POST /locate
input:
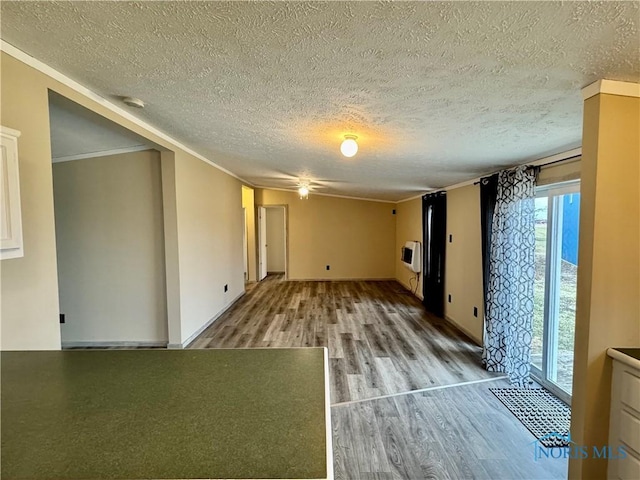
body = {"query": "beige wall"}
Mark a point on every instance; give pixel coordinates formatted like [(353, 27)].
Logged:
[(210, 223), (29, 289), (275, 240), (110, 249), (355, 237), (608, 298), (248, 202), (408, 228), (463, 263), (171, 250)]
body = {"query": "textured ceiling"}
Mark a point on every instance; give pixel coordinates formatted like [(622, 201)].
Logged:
[(77, 131), (437, 92)]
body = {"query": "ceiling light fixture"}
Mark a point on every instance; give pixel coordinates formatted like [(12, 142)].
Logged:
[(133, 102), (303, 191), (349, 146)]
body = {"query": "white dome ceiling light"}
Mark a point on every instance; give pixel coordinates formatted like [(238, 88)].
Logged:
[(349, 146)]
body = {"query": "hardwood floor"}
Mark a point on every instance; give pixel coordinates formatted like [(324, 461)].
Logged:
[(462, 432), (380, 339), (383, 344)]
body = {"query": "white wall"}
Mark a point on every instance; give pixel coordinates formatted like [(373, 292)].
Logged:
[(275, 240), (110, 249)]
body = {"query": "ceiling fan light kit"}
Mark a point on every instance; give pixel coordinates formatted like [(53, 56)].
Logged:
[(303, 191)]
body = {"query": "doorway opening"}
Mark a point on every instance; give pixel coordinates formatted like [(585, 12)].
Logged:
[(272, 236), (109, 224)]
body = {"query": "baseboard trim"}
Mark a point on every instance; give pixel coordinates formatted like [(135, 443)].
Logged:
[(109, 344), (189, 340), (462, 330)]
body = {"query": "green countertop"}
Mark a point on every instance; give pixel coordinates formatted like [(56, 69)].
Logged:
[(129, 414)]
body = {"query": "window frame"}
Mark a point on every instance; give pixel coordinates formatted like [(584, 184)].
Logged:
[(552, 286)]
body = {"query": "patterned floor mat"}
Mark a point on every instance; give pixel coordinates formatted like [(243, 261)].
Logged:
[(546, 416)]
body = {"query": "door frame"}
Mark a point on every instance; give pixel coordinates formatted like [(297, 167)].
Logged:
[(245, 246), (262, 208), (262, 246)]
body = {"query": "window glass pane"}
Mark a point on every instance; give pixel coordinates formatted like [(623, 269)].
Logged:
[(568, 288), (541, 209)]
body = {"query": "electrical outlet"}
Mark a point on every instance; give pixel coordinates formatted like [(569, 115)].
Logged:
[(450, 238), (393, 212), (449, 298), (226, 288), (475, 311), (328, 267), (62, 320)]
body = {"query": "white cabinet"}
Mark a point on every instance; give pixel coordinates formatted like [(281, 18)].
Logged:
[(10, 214), (624, 422)]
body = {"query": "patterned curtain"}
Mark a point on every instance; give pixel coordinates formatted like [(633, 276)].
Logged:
[(509, 297)]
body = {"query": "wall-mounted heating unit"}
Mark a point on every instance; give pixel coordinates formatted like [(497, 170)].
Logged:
[(411, 256)]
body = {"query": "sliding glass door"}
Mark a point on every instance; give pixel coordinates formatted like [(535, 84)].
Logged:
[(556, 261)]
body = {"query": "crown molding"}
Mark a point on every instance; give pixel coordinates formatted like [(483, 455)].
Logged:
[(420, 195), (611, 87), (354, 198), (91, 95), (312, 192)]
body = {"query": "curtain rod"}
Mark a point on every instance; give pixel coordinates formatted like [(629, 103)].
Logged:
[(573, 157), (437, 192), (562, 160)]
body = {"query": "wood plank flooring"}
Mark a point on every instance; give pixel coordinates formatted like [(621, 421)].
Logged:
[(380, 339), (382, 342), (463, 432)]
